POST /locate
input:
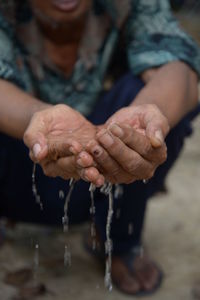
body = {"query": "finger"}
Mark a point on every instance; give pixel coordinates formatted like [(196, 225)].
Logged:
[(92, 175), (139, 142), (58, 148), (127, 158), (108, 166), (85, 160), (63, 167), (34, 137), (156, 125)]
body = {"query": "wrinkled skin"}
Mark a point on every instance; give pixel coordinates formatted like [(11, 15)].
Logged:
[(72, 147), (125, 153), (52, 137)]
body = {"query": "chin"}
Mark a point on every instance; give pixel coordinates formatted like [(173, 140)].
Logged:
[(64, 11)]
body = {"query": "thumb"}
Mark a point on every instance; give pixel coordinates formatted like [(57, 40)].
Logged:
[(34, 138), (157, 128)]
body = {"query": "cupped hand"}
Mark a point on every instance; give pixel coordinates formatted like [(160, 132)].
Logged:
[(124, 155), (55, 136), (145, 118)]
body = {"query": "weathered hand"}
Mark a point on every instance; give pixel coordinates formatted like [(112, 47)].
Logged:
[(131, 151), (54, 135), (125, 155), (145, 118)]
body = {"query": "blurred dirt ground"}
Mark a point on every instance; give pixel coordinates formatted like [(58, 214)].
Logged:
[(172, 237)]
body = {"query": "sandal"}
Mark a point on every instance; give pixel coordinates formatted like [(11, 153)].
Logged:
[(130, 270), (135, 274)]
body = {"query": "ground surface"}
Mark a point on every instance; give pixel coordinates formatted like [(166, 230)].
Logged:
[(172, 237)]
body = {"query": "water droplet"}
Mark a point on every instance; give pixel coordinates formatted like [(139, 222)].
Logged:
[(36, 262), (92, 189), (118, 213), (108, 244), (67, 257), (61, 194), (119, 191), (65, 218), (34, 188), (130, 228)]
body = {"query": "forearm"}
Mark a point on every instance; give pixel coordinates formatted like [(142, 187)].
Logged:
[(16, 109), (173, 88)]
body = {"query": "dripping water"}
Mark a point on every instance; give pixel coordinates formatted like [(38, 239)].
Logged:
[(118, 213), (92, 188), (130, 228), (107, 189), (65, 221), (67, 257), (119, 191), (36, 263), (34, 188), (61, 194)]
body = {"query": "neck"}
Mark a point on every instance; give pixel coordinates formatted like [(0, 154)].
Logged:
[(62, 34), (61, 42)]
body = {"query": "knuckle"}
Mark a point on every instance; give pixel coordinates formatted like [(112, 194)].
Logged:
[(46, 172), (134, 166), (115, 173), (27, 137), (147, 149), (128, 134), (163, 155), (102, 159), (129, 179), (150, 174), (117, 149), (49, 172)]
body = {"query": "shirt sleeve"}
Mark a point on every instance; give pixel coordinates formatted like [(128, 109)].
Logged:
[(155, 38)]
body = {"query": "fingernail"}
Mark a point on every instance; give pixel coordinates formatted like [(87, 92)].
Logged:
[(83, 176), (72, 150), (97, 151), (159, 136), (116, 130), (83, 154), (79, 162), (99, 182), (106, 140), (36, 150)]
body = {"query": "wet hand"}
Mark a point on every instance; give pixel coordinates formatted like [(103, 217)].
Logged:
[(124, 155), (145, 118), (54, 136)]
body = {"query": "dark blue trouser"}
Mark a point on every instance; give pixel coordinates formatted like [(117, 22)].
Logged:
[(17, 201)]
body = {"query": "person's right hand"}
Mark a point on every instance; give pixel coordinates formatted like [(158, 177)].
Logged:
[(54, 135)]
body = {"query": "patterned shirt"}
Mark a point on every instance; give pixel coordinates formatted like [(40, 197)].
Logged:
[(152, 38)]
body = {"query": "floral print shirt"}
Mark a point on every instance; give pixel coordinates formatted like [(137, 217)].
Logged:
[(152, 38)]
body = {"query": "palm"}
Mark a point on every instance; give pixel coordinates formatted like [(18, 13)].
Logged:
[(58, 127), (66, 124), (129, 116)]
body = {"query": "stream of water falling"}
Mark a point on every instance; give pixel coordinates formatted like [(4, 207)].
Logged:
[(92, 189), (36, 263), (34, 188), (65, 220), (107, 189)]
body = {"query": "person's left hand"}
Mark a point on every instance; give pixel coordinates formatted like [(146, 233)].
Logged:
[(145, 118), (130, 152)]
